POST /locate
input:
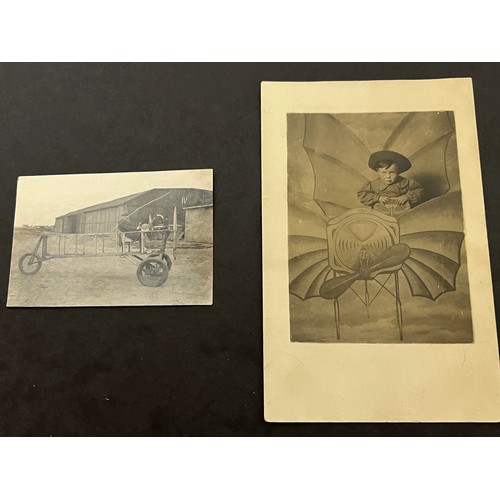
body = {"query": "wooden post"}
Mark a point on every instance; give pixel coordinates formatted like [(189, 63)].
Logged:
[(174, 251), (44, 247)]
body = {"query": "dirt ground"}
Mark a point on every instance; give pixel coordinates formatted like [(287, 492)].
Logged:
[(107, 280)]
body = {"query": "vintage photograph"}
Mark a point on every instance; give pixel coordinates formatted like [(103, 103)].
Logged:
[(376, 229), (114, 239), (377, 294)]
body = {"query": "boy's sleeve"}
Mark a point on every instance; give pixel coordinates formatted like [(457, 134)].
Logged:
[(367, 196), (415, 192)]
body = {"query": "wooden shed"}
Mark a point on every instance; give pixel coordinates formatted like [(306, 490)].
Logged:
[(104, 217), (199, 224)]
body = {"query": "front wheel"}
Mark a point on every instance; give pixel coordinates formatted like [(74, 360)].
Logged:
[(30, 263), (152, 272)]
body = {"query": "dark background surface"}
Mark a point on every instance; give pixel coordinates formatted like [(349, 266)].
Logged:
[(161, 371)]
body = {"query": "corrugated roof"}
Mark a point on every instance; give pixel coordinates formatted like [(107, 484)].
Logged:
[(108, 204), (124, 199)]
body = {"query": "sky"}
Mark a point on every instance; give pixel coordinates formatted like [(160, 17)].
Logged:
[(40, 199)]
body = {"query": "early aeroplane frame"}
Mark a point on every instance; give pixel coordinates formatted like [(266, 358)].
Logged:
[(144, 247), (148, 252)]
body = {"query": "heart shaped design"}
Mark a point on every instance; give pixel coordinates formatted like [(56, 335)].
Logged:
[(362, 230)]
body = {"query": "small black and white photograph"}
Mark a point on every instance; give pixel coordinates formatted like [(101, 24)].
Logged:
[(376, 232), (113, 239)]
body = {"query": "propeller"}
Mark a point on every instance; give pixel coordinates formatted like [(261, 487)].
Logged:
[(393, 256)]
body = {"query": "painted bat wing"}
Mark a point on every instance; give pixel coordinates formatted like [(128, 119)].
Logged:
[(304, 222), (339, 157), (434, 261), (307, 251), (308, 265), (443, 213), (424, 139), (339, 160)]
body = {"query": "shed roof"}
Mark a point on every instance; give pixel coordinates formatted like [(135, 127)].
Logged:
[(124, 199), (198, 206)]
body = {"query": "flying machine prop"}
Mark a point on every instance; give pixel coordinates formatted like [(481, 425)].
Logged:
[(421, 245)]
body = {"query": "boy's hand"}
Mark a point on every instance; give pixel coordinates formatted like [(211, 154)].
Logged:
[(401, 200), (384, 200)]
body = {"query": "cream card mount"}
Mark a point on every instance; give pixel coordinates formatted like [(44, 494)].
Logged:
[(378, 303)]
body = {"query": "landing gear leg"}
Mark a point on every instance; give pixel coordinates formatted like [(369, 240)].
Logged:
[(367, 299), (336, 312), (399, 307)]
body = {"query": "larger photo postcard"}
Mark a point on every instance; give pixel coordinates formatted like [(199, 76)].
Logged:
[(378, 302)]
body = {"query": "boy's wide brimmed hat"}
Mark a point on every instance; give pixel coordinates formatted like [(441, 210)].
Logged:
[(401, 161)]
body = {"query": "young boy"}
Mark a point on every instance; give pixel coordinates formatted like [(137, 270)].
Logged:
[(390, 188)]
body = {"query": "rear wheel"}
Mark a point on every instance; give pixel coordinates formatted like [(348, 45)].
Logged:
[(152, 272), (30, 263), (169, 261)]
